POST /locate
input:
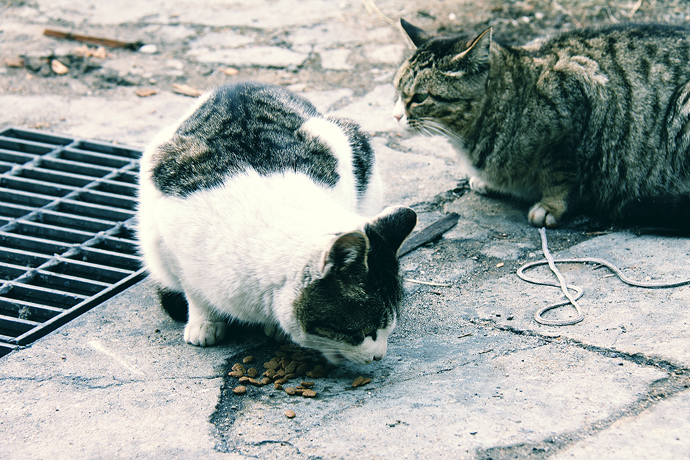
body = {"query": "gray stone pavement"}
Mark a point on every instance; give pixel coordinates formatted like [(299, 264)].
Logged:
[(469, 373)]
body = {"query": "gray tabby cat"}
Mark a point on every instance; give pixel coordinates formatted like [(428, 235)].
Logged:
[(593, 121), (256, 208)]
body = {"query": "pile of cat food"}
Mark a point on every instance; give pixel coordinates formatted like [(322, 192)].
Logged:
[(290, 363)]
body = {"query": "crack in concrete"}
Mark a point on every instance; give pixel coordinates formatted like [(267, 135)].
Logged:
[(636, 358), (678, 380)]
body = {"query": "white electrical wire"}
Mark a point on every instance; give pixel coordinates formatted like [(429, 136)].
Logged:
[(538, 316)]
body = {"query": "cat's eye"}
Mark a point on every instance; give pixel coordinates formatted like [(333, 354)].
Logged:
[(370, 333), (418, 98)]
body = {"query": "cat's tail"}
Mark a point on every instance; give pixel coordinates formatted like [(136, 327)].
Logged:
[(668, 214), (174, 303)]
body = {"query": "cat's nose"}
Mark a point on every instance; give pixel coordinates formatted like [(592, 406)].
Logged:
[(399, 109)]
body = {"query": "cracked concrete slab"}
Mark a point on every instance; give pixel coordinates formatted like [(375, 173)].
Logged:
[(111, 384), (665, 424), (469, 374), (448, 395), (617, 316), (260, 56)]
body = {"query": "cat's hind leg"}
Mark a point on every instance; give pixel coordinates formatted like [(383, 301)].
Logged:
[(204, 326)]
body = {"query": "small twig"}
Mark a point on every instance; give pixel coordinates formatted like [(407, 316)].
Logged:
[(558, 7), (427, 283), (93, 40), (634, 9), (372, 8)]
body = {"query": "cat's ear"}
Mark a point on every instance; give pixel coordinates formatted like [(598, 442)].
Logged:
[(417, 35), (394, 224), (474, 58), (348, 254)]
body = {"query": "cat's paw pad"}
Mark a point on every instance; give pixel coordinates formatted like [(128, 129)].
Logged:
[(539, 216), (479, 186), (204, 333), (271, 330)]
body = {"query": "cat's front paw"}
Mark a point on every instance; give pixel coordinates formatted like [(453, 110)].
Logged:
[(479, 186), (540, 216), (204, 333)]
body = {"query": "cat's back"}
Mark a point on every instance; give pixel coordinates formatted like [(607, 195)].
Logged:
[(232, 129), (646, 53), (264, 129), (651, 38)]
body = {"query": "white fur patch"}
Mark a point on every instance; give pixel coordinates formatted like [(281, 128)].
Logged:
[(399, 110), (241, 249), (333, 136)]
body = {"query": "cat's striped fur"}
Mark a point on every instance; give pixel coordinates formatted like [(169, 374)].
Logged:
[(593, 121)]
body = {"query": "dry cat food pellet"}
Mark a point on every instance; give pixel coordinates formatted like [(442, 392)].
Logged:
[(299, 356), (291, 367), (302, 369), (318, 372), (359, 381), (290, 413), (240, 368), (272, 365), (289, 363)]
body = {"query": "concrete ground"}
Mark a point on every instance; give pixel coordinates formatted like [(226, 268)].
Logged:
[(469, 373)]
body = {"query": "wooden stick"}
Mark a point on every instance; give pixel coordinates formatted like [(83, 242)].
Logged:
[(93, 40), (429, 233)]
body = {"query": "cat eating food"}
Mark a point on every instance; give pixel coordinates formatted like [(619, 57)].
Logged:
[(594, 121), (260, 210)]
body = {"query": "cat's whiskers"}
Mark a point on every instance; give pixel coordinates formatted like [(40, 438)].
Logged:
[(337, 351), (432, 127)]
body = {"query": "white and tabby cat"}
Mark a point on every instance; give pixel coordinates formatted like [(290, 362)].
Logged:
[(255, 207)]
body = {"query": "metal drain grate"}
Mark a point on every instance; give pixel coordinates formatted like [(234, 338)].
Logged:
[(66, 233)]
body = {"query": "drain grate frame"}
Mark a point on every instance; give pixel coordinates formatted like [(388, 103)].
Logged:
[(67, 240)]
